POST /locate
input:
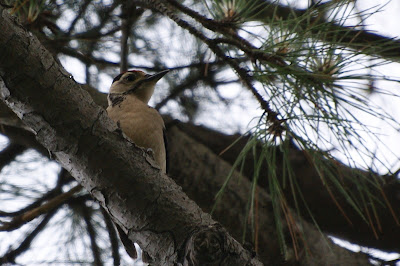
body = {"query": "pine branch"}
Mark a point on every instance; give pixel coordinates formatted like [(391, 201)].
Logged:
[(233, 62), (349, 36)]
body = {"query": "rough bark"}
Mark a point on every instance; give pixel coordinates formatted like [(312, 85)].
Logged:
[(184, 163), (207, 174), (148, 205)]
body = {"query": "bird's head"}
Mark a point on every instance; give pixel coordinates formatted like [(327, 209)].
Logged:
[(136, 82)]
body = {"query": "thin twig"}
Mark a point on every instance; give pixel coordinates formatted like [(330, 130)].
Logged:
[(129, 15), (24, 218), (112, 234), (126, 24), (87, 217), (81, 11), (10, 256)]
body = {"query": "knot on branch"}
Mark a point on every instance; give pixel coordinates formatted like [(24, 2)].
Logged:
[(206, 246)]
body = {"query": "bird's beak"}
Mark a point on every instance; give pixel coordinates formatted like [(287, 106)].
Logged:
[(156, 77)]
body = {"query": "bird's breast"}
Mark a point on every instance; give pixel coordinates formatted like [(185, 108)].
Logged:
[(142, 124)]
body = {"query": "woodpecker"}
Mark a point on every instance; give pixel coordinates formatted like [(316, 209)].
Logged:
[(128, 100), (129, 95)]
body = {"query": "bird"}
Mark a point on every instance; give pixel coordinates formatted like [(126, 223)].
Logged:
[(128, 100), (128, 106)]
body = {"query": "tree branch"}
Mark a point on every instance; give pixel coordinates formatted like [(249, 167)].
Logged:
[(208, 173), (129, 15), (149, 206), (11, 255), (87, 217), (243, 73), (9, 153), (52, 195), (24, 218), (328, 217), (113, 237), (350, 37), (82, 10), (314, 191)]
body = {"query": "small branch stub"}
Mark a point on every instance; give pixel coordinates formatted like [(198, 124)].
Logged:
[(209, 246)]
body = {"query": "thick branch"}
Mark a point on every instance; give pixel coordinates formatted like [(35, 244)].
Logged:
[(208, 172), (324, 211), (148, 205), (329, 218)]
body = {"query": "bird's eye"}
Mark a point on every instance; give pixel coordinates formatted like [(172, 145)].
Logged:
[(130, 78)]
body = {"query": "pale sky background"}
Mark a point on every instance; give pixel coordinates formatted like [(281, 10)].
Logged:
[(32, 170)]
